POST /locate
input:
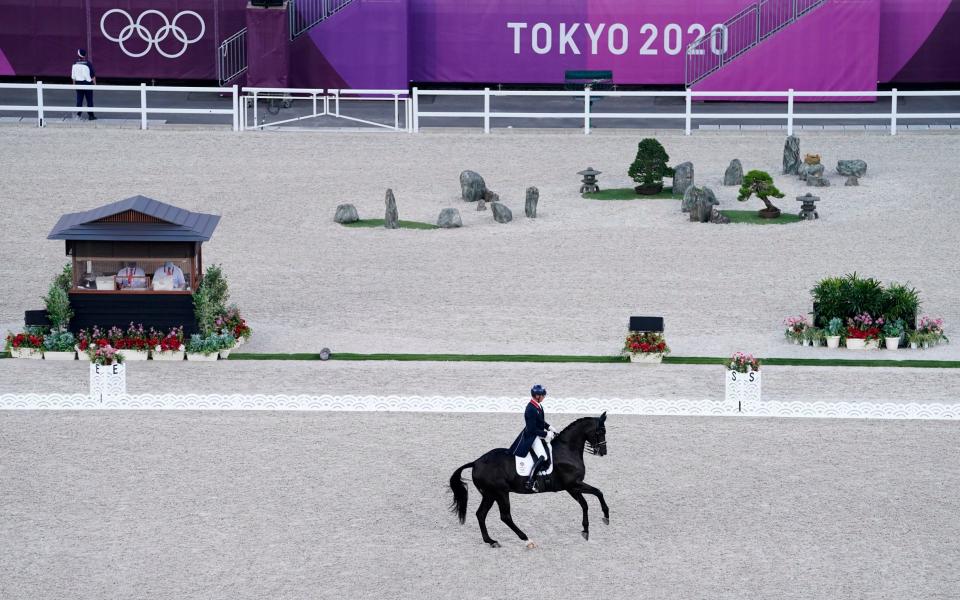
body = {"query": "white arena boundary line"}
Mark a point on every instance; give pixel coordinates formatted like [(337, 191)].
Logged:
[(483, 404)]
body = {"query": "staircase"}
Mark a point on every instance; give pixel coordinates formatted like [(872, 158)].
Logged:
[(303, 15), (748, 28)]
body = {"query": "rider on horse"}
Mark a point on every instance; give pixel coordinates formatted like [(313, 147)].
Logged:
[(534, 432)]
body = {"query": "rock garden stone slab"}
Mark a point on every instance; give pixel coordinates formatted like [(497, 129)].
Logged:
[(346, 213)]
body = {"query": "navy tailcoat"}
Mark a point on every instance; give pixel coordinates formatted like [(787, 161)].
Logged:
[(536, 426)]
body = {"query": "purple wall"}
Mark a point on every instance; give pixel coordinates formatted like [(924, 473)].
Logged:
[(834, 47), (384, 43), (268, 48)]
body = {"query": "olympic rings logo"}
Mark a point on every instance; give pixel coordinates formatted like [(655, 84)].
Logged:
[(153, 40)]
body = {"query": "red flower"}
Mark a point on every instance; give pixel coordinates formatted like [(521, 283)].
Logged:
[(103, 342)]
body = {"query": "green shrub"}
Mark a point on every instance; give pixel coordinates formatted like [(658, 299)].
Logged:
[(210, 299), (848, 296), (65, 279), (57, 302), (760, 184), (650, 165)]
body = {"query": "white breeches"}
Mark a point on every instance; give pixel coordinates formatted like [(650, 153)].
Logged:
[(538, 450)]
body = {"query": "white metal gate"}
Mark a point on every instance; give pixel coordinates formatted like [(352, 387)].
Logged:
[(257, 105)]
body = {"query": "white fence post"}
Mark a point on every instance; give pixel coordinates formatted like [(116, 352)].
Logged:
[(396, 112), (143, 106), (790, 111), (39, 104), (236, 108), (688, 112), (486, 110), (416, 110), (893, 112), (586, 110)]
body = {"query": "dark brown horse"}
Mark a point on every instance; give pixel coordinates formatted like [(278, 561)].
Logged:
[(495, 475)]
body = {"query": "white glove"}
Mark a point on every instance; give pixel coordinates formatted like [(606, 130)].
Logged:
[(550, 436)]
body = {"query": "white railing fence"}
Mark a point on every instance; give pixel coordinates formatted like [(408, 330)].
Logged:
[(688, 116), (323, 102), (232, 56), (143, 107)]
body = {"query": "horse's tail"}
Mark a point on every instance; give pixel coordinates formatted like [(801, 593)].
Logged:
[(459, 504)]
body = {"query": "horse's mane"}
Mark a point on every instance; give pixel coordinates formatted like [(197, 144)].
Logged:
[(580, 420)]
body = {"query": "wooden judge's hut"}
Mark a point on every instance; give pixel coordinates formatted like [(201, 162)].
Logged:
[(137, 260)]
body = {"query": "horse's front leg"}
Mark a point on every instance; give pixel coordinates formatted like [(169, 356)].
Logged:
[(578, 496), (589, 489)]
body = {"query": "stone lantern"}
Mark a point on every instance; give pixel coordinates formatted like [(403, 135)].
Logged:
[(589, 180), (808, 208)]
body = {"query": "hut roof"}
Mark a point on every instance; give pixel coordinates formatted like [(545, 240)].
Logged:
[(136, 219)]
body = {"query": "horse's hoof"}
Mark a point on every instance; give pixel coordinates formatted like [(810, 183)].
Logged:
[(606, 520), (531, 545), (585, 535), (495, 545)]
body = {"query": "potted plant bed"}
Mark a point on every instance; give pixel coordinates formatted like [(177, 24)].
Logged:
[(108, 373), (59, 345), (645, 347), (203, 349), (28, 344)]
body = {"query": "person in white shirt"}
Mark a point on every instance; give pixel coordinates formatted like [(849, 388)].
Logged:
[(169, 276), (131, 276), (83, 73)]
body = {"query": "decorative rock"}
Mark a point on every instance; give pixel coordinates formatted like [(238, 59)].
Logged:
[(682, 178), (472, 186), (530, 204), (701, 201), (491, 196), (852, 180), (391, 220), (346, 213), (734, 173), (501, 214), (716, 217), (852, 167), (791, 155), (449, 218), (811, 159), (817, 181), (691, 195), (807, 169), (481, 205)]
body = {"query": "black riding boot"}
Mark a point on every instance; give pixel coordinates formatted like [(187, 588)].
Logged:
[(533, 473)]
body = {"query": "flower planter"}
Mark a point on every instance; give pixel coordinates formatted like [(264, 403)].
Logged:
[(224, 353), (129, 355), (199, 357), (34, 353), (913, 345), (71, 355), (81, 355), (170, 355), (108, 382), (742, 387), (873, 344), (646, 358), (892, 343), (833, 341), (856, 344)]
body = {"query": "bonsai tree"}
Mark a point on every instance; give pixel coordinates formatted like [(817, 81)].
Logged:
[(650, 167), (760, 183)]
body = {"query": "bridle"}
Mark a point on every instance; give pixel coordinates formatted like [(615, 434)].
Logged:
[(594, 448)]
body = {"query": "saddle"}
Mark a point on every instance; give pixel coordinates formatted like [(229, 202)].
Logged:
[(525, 463)]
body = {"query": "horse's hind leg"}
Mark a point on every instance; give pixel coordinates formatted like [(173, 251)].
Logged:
[(482, 511), (583, 505), (589, 489), (503, 501)]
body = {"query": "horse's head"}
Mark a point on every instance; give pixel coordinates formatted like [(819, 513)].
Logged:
[(597, 439)]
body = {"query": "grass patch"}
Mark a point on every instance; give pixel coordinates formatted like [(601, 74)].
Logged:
[(4, 355), (379, 223), (751, 217), (628, 194)]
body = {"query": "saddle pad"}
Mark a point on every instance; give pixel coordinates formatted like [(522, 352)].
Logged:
[(525, 464)]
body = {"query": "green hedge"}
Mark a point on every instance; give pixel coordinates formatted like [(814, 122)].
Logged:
[(848, 296)]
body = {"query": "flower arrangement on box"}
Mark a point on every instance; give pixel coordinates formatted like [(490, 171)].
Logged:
[(796, 326), (28, 344), (863, 330), (169, 346), (930, 332), (743, 363), (104, 355), (645, 346)]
